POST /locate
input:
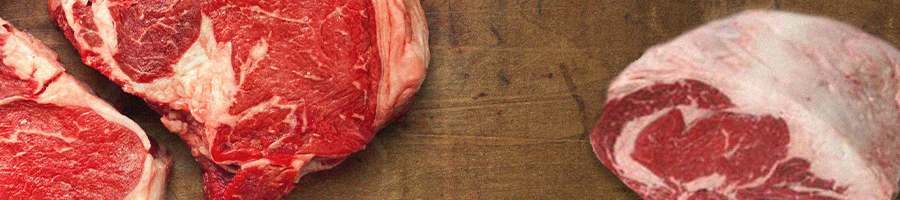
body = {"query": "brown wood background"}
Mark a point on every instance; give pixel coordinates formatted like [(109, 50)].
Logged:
[(513, 89)]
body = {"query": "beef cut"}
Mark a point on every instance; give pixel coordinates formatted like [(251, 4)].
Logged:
[(59, 141), (760, 105), (262, 91)]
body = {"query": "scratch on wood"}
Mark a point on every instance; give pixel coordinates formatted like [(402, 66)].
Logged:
[(454, 40), (488, 102), (515, 49), (654, 21), (496, 34), (539, 7), (503, 78), (486, 139), (495, 11), (445, 100), (482, 94), (890, 24), (567, 75)]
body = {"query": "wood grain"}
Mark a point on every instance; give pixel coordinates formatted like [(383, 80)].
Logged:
[(513, 89)]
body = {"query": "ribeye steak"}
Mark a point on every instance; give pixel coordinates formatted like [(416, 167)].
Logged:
[(760, 105), (262, 91), (59, 141)]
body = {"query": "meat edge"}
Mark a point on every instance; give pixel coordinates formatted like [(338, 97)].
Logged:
[(632, 80), (402, 41), (403, 48), (62, 89)]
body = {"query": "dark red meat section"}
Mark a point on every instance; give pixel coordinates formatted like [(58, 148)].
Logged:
[(740, 147), (96, 159), (152, 35), (648, 100), (11, 85), (320, 65), (338, 50)]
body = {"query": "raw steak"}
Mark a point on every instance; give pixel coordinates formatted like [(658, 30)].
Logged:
[(262, 91), (59, 141), (761, 105)]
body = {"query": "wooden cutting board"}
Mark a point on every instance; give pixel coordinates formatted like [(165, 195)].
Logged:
[(513, 90)]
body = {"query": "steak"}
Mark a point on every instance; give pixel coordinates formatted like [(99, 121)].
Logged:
[(262, 91), (760, 105), (59, 141)]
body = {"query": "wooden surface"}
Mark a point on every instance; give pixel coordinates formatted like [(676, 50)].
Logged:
[(513, 89)]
